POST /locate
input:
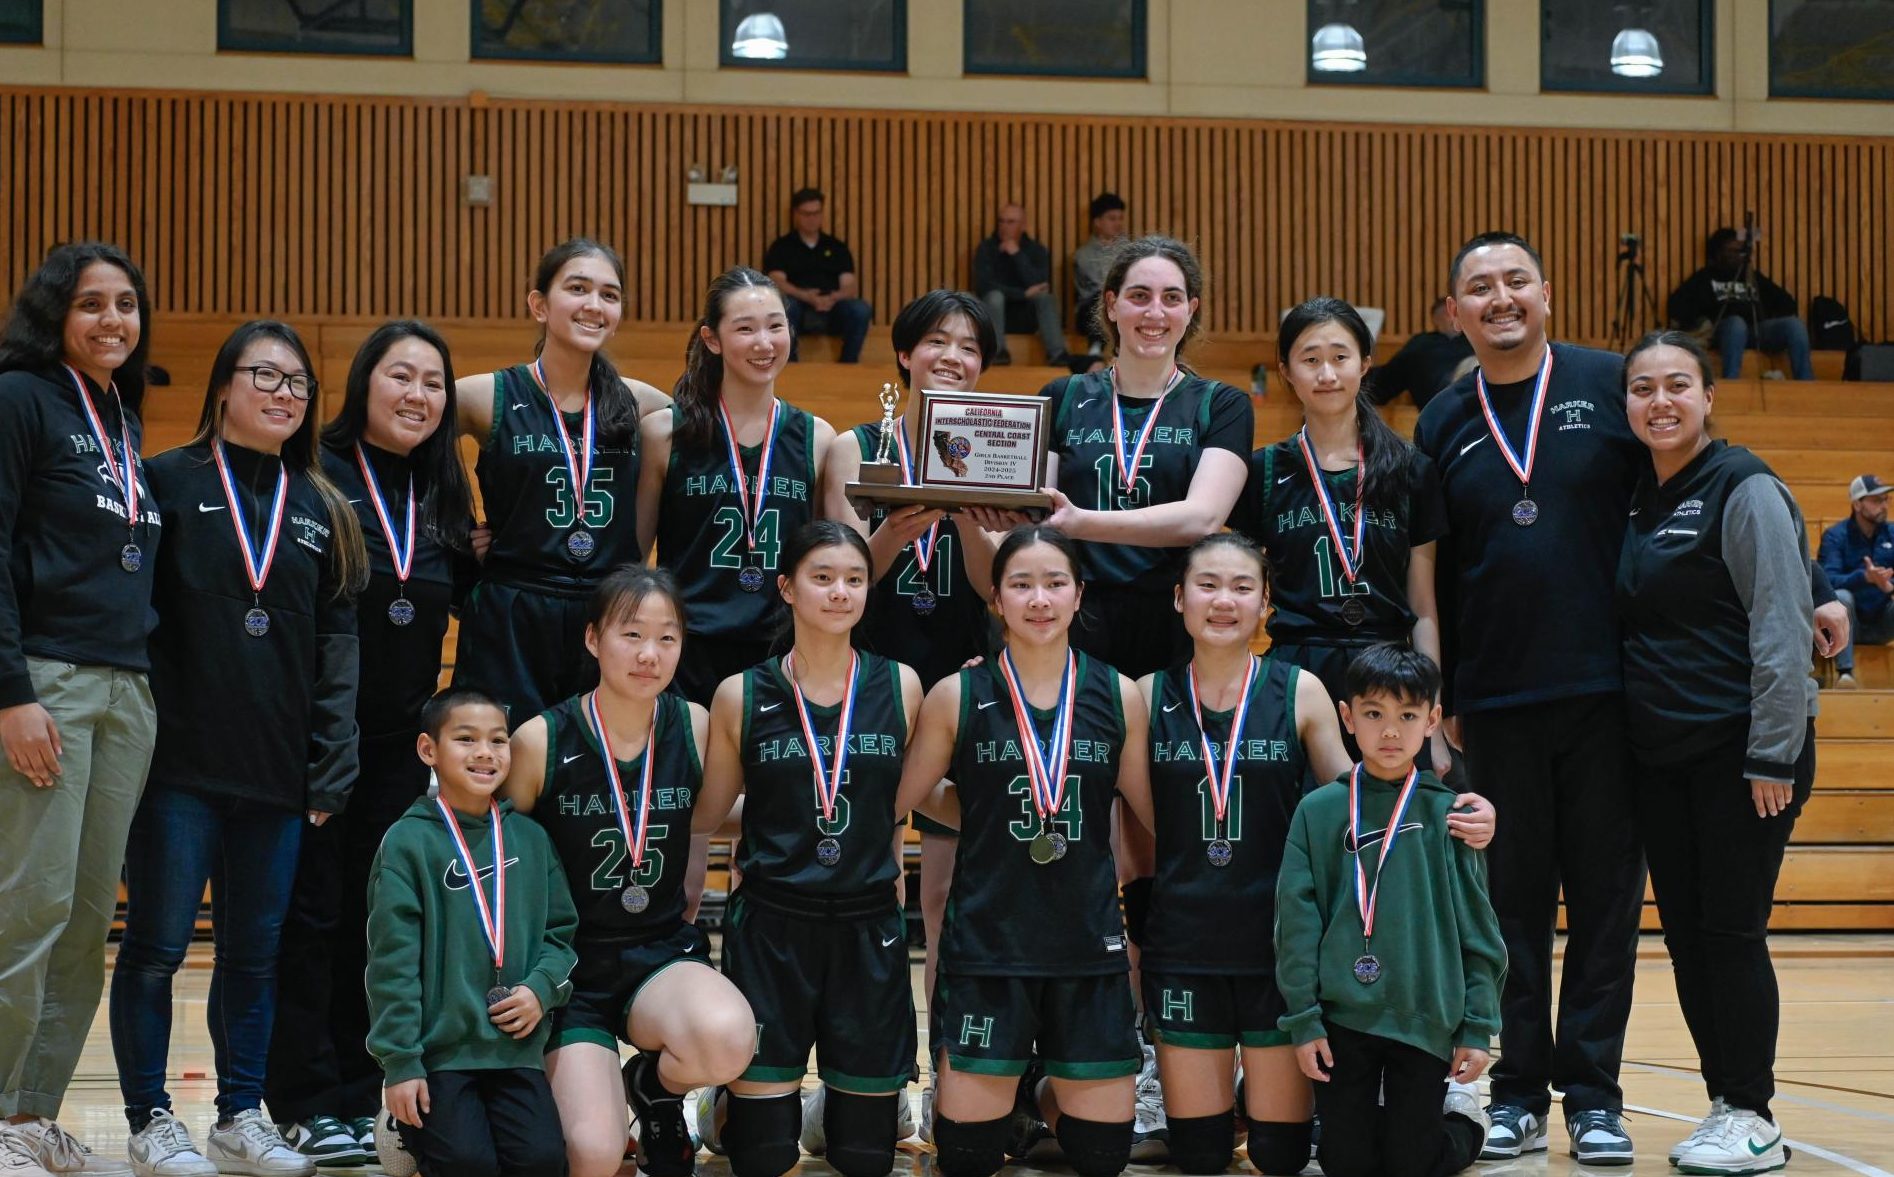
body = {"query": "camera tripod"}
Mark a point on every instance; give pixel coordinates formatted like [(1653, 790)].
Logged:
[(1634, 291)]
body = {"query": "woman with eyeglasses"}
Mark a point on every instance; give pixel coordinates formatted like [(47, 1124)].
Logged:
[(253, 666)]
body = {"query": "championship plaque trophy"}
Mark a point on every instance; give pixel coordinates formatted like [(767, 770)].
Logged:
[(975, 449)]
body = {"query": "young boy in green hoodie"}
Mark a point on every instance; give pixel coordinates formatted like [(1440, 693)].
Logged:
[(465, 960), (1388, 954)]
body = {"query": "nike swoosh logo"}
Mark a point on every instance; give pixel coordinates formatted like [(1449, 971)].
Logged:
[(1469, 445), (1172, 707), (571, 758), (1756, 1152), (207, 508), (517, 408), (1284, 479), (985, 705), (1832, 323), (356, 502), (889, 940), (1088, 400), (456, 877), (767, 707)]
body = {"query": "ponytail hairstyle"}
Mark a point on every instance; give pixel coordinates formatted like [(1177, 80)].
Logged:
[(34, 337), (1387, 460), (1129, 254), (614, 406), (301, 454), (440, 480), (697, 391)]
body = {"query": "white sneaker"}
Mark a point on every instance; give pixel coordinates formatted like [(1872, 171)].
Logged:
[(813, 1140), (396, 1160), (17, 1155), (1845, 681), (249, 1144), (1150, 1131), (164, 1149), (60, 1152), (1514, 1131), (326, 1141), (903, 1115), (709, 1118), (1743, 1143), (1467, 1104), (1709, 1126), (927, 1111)]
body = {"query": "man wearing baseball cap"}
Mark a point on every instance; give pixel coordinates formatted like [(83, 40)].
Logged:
[(1858, 555)]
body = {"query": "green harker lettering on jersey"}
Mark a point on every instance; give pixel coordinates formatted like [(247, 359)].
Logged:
[(1162, 435), (599, 805), (535, 443), (781, 486), (1310, 517), (1191, 751), (1007, 751), (859, 744)]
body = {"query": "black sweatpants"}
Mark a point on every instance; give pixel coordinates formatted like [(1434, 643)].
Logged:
[(525, 647), (1134, 630), (1559, 775), (488, 1124), (1380, 1112), (319, 1063), (1713, 867)]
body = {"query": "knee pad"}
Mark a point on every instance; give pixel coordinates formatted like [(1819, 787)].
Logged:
[(1137, 899), (1095, 1148), (759, 1134), (969, 1148), (1279, 1149), (860, 1133), (1203, 1144)]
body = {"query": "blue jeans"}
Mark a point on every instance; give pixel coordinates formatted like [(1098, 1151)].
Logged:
[(1871, 631), (848, 318), (247, 852), (1785, 334)]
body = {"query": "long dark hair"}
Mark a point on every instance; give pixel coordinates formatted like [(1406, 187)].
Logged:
[(446, 500), (697, 390), (1135, 250), (301, 455), (932, 309), (34, 339), (614, 407), (810, 538), (626, 588), (1026, 535), (1387, 459), (1683, 341)]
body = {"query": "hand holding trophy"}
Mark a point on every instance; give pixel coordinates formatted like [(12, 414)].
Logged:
[(971, 449)]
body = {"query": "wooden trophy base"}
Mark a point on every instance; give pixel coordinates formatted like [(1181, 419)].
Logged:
[(881, 485)]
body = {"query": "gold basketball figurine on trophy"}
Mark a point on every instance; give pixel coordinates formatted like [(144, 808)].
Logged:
[(972, 449)]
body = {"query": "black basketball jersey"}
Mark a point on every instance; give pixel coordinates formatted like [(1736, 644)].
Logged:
[(702, 533), (527, 493), (1196, 415), (575, 806), (938, 642), (1196, 907), (1006, 914), (783, 826), (1311, 596)]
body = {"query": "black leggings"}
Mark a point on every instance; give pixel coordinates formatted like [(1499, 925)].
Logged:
[(1713, 867)]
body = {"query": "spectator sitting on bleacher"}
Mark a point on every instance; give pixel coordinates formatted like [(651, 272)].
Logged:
[(1010, 268), (1091, 261), (816, 273), (1426, 363), (1858, 555), (1730, 302)]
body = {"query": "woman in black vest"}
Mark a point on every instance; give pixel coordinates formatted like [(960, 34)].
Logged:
[(1713, 589), (78, 548), (391, 449)]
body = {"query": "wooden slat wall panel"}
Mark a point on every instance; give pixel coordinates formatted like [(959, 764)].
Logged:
[(319, 206)]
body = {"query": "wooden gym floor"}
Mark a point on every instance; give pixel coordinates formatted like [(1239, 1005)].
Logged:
[(1835, 1067)]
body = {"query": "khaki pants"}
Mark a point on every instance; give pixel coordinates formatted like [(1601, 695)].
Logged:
[(60, 853)]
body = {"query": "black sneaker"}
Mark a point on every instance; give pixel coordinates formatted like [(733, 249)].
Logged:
[(665, 1147), (1027, 1130)]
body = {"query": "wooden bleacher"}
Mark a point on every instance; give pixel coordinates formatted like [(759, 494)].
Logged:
[(1839, 871)]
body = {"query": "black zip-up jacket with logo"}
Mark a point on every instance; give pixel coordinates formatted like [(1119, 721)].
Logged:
[(269, 719), (63, 595)]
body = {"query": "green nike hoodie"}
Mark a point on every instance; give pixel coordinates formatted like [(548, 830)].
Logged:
[(1435, 935), (428, 964)]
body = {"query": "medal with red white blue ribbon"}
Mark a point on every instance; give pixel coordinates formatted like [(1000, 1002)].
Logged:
[(750, 576), (1347, 549), (634, 898), (1045, 771), (401, 609), (1525, 511), (1128, 468), (1219, 851), (924, 601), (580, 543), (1367, 967), (130, 557), (257, 559), (828, 776), (492, 916)]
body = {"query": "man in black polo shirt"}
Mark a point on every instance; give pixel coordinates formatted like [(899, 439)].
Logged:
[(1538, 464), (817, 276), (1426, 363)]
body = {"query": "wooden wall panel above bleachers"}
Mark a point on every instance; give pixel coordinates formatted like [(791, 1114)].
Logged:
[(325, 206)]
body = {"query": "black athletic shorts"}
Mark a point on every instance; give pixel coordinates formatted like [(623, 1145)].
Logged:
[(827, 975), (524, 647), (707, 661), (1211, 1011), (607, 980), (1080, 1027)]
